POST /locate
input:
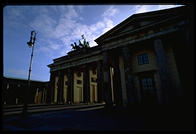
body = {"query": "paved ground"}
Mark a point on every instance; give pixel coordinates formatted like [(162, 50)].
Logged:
[(93, 119), (11, 110)]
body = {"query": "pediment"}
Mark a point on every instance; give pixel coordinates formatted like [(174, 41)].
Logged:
[(131, 27), (137, 21)]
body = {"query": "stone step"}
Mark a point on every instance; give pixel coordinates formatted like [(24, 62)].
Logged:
[(48, 108)]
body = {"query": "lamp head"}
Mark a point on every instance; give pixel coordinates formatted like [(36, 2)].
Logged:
[(32, 39), (30, 43)]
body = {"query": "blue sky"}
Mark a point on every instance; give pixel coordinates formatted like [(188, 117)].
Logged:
[(57, 26)]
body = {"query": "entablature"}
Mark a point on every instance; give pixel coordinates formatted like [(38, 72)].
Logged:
[(82, 61), (151, 33), (142, 31), (75, 59)]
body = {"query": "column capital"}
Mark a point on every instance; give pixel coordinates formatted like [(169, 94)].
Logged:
[(105, 57), (126, 52), (158, 46)]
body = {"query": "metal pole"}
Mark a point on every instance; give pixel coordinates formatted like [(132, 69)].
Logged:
[(25, 112)]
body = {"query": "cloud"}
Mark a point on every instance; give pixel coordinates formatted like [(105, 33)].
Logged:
[(53, 31), (167, 6), (148, 8), (145, 8), (44, 25), (97, 26), (54, 46), (67, 28), (109, 24), (60, 26), (110, 12), (70, 29), (107, 18), (13, 17), (71, 13)]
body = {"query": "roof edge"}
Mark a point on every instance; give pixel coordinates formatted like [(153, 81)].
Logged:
[(98, 40), (22, 79)]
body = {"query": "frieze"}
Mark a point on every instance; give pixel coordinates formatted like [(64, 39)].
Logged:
[(76, 58), (155, 26), (76, 63), (151, 34)]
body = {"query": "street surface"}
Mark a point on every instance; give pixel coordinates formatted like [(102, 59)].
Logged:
[(32, 108), (93, 119)]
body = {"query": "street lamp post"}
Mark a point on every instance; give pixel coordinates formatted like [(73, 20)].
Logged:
[(26, 101)]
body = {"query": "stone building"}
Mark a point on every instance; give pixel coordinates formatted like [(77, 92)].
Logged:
[(14, 91), (142, 60)]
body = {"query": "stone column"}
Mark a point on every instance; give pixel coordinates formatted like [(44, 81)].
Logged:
[(183, 53), (70, 86), (106, 81), (49, 90), (43, 95), (50, 95), (63, 83), (86, 86), (60, 88), (117, 83), (99, 81), (123, 81), (163, 70), (128, 76)]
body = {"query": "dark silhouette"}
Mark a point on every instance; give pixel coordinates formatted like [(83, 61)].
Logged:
[(80, 45)]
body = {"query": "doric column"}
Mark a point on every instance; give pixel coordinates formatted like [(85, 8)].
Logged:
[(123, 81), (128, 76), (60, 88), (86, 86), (117, 83), (50, 95), (106, 81), (99, 81), (65, 85), (43, 95), (70, 86), (163, 71), (49, 90), (183, 53)]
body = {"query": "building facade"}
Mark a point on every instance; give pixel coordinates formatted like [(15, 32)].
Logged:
[(142, 60), (14, 91)]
